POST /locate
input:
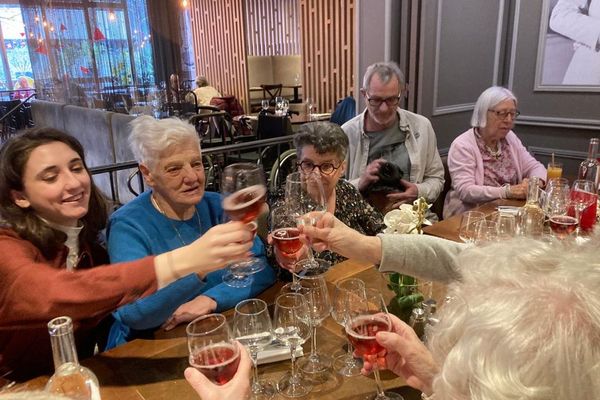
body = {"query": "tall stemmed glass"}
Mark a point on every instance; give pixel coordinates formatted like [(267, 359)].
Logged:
[(286, 239), (290, 326), (346, 291), (305, 198), (244, 192), (212, 348), (252, 328), (366, 317), (583, 195), (556, 206), (314, 289)]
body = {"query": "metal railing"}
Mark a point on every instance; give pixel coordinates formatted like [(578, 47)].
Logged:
[(15, 115), (263, 152)]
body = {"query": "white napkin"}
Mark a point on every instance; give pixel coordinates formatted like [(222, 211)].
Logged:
[(276, 352)]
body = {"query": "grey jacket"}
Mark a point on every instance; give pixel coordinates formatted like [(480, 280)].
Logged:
[(422, 256), (426, 170)]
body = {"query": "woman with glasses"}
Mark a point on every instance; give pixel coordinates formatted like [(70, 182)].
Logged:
[(322, 147), (488, 161)]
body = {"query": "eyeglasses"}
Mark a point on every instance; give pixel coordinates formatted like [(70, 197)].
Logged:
[(503, 114), (326, 168), (390, 101)]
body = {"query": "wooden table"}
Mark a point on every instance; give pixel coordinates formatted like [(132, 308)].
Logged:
[(153, 369), (448, 228)]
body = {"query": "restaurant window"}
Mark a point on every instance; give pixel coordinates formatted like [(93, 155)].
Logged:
[(15, 65)]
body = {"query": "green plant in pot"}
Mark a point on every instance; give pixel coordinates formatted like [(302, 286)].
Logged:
[(409, 293)]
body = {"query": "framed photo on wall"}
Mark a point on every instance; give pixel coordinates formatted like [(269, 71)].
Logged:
[(568, 56)]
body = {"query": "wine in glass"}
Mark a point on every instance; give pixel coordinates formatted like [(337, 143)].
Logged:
[(244, 192), (556, 206), (286, 240), (583, 195), (346, 291), (291, 327), (212, 349), (252, 328), (314, 289), (366, 317)]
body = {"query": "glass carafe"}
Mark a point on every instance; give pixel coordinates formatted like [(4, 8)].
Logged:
[(70, 378), (531, 216)]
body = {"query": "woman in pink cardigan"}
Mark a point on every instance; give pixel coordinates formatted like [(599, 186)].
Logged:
[(488, 161)]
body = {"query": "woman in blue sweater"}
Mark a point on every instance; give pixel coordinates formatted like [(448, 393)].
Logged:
[(174, 213)]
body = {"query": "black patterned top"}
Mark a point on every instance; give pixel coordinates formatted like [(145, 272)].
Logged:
[(350, 208)]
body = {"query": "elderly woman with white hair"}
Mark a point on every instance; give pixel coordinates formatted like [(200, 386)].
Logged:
[(175, 212), (488, 161)]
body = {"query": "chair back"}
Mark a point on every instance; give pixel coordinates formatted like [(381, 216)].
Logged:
[(272, 91), (284, 164), (272, 126)]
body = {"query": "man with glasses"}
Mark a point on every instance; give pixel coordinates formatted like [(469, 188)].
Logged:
[(386, 132)]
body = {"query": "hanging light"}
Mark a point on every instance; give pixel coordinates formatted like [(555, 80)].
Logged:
[(112, 16), (45, 24), (36, 19), (184, 3)]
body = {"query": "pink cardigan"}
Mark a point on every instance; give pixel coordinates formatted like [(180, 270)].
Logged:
[(466, 170)]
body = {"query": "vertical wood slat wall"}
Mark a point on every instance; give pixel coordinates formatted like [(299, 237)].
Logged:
[(327, 50), (273, 27), (218, 31)]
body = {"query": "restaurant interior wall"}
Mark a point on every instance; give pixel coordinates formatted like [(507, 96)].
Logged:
[(458, 48)]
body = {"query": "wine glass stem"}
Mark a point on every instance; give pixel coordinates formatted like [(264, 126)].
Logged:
[(293, 358), (380, 391), (254, 357), (350, 358), (313, 342)]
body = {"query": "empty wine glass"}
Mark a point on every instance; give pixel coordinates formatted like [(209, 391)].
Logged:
[(468, 222), (252, 328), (314, 289), (310, 107), (285, 106), (244, 192), (278, 105), (305, 198), (367, 316), (212, 348), (264, 104), (506, 225), (485, 231), (346, 291), (291, 326)]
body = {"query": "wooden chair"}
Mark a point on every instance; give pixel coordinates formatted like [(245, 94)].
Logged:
[(270, 92)]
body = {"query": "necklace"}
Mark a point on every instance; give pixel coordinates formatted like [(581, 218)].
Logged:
[(160, 210), (496, 154)]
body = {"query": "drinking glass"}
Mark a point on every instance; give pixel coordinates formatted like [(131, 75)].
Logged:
[(367, 316), (213, 351), (310, 107), (286, 239), (314, 289), (583, 195), (468, 222), (244, 192), (278, 105), (291, 326), (285, 106), (305, 198), (506, 225), (554, 170), (346, 291), (485, 231), (252, 328), (264, 104)]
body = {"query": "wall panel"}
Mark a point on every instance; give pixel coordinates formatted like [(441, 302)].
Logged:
[(273, 27), (218, 31), (327, 50)]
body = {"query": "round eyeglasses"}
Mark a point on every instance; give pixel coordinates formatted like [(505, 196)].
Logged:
[(326, 168)]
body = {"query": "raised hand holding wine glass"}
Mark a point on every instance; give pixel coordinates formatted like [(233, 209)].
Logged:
[(244, 193), (212, 348)]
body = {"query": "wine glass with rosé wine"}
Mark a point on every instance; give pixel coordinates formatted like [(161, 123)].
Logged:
[(244, 193), (285, 237), (213, 350), (367, 316)]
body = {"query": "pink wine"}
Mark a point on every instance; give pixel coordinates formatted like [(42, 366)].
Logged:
[(244, 205), (563, 225), (361, 333), (287, 241), (218, 362)]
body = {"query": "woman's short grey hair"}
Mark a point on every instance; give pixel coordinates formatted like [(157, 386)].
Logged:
[(201, 81), (524, 323), (149, 137), (386, 71), (487, 100), (325, 137)]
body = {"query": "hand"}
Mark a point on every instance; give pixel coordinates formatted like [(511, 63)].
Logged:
[(519, 191), (410, 194), (221, 245), (237, 388), (287, 261), (405, 356), (370, 174), (189, 311)]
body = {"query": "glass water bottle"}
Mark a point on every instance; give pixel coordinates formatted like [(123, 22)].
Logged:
[(70, 378), (589, 169), (531, 216)]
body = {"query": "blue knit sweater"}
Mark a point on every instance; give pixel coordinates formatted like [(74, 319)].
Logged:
[(137, 229)]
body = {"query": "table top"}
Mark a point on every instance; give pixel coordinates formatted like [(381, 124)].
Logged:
[(153, 369), (448, 228)]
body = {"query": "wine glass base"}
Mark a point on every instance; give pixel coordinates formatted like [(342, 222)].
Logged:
[(235, 281), (250, 266), (263, 390), (346, 365), (312, 267), (315, 364), (296, 386)]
